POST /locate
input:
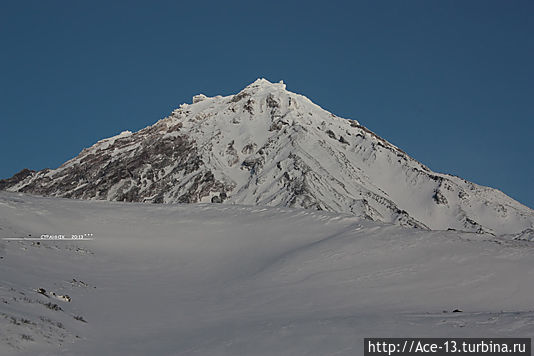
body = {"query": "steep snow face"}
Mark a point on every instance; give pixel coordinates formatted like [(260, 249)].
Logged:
[(268, 146)]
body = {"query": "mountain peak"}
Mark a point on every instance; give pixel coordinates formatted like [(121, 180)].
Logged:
[(264, 83), (268, 146)]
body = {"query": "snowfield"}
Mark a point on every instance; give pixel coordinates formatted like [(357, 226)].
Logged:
[(222, 279)]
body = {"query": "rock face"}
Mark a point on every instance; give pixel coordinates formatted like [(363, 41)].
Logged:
[(268, 146)]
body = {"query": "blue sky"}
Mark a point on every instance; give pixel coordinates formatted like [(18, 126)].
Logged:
[(450, 82)]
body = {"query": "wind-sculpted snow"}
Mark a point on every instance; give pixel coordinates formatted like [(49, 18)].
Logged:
[(268, 146), (215, 279)]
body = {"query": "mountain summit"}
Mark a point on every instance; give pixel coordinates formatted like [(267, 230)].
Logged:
[(268, 146)]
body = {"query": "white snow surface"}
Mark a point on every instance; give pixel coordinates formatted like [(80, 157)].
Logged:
[(268, 146), (216, 279)]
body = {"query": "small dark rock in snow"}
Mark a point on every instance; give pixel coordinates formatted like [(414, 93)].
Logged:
[(331, 134), (53, 306), (80, 318)]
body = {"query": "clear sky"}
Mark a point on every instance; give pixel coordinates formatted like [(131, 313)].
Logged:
[(450, 82)]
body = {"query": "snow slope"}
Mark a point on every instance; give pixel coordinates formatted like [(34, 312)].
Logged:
[(268, 146), (216, 279)]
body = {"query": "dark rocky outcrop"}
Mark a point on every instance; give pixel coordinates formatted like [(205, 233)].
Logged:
[(18, 177)]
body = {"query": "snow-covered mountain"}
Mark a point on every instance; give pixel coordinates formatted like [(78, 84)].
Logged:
[(268, 146)]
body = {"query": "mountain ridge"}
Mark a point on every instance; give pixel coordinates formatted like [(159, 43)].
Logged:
[(268, 146)]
